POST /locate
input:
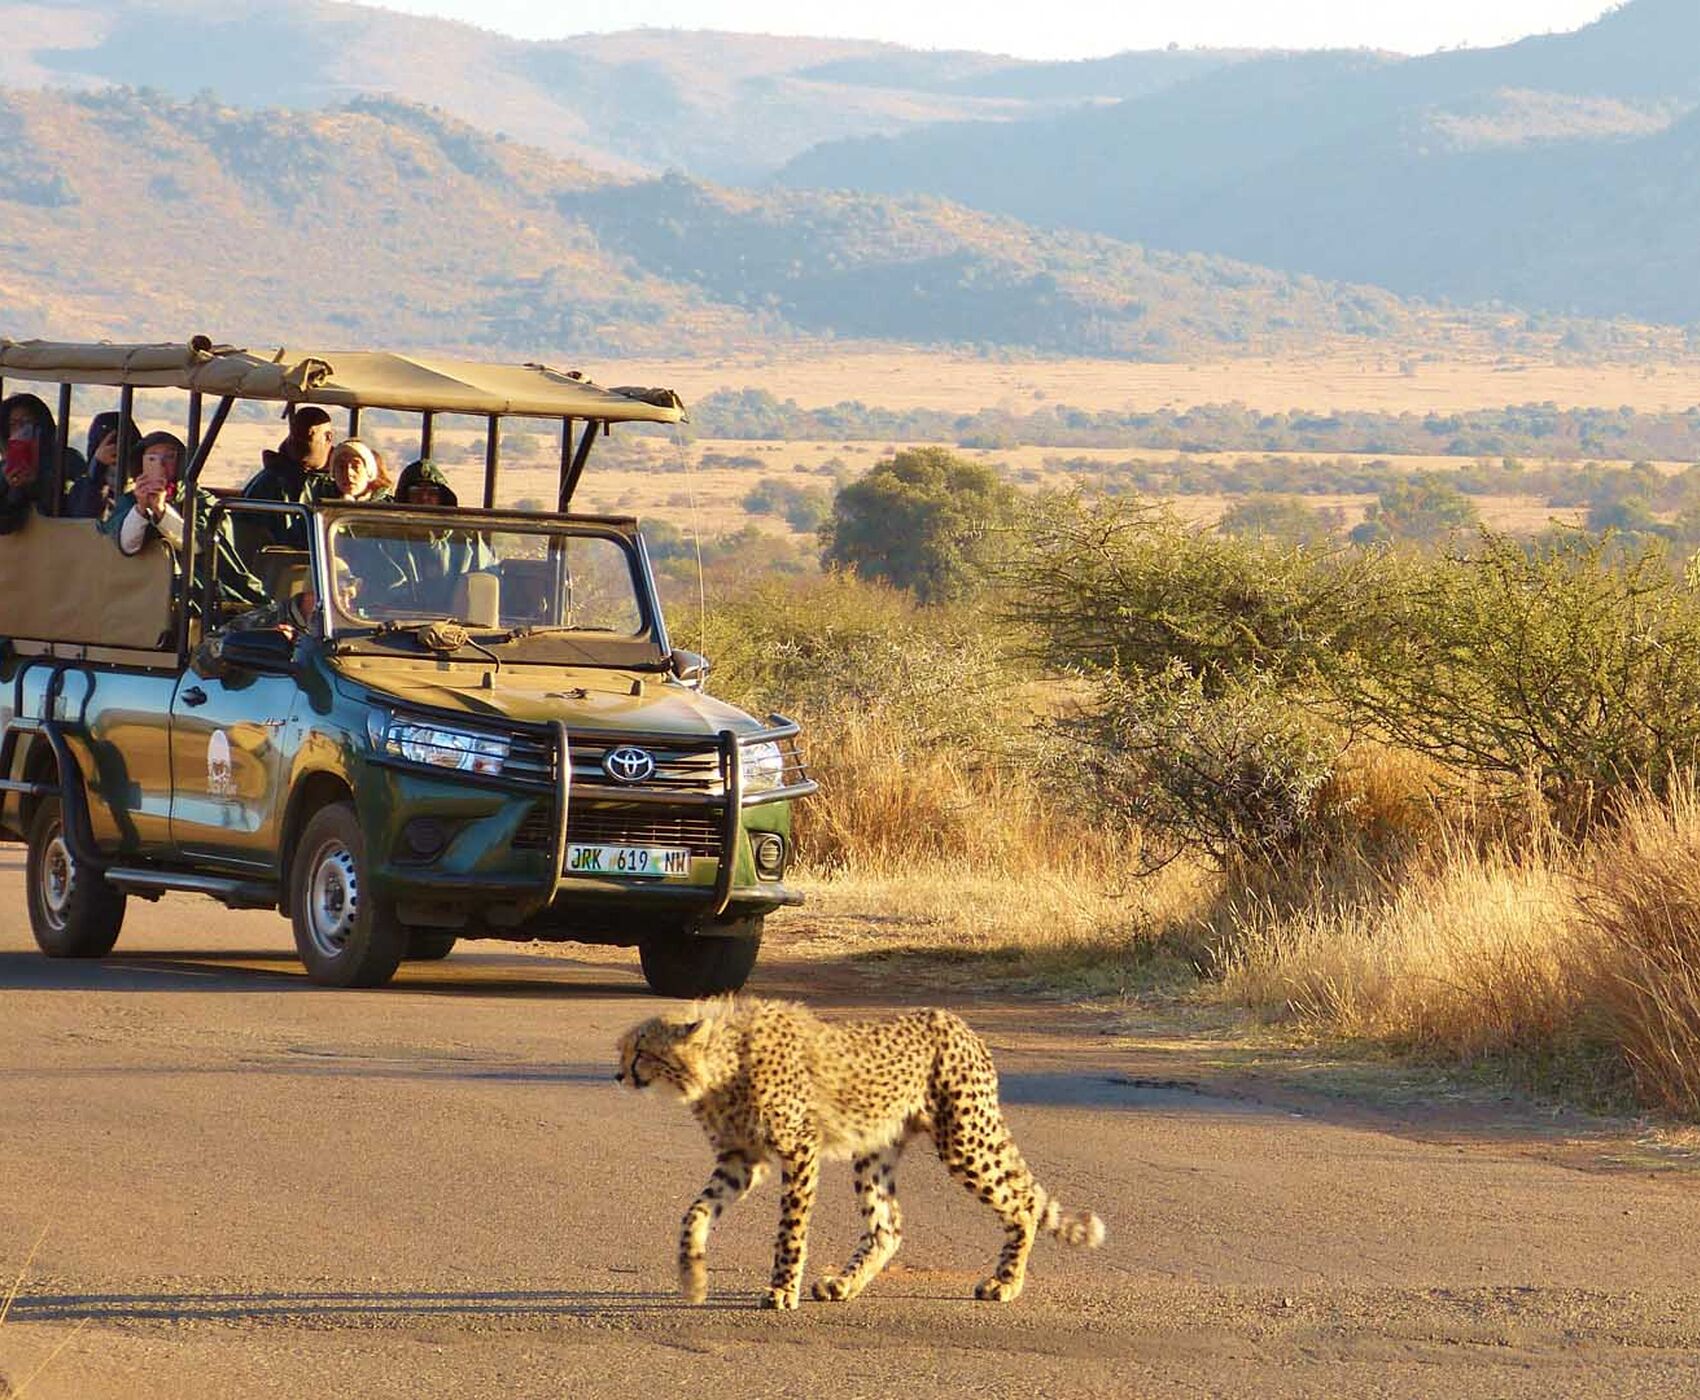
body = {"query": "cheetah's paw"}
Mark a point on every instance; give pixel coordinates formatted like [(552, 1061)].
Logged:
[(834, 1289), (995, 1290), (782, 1299)]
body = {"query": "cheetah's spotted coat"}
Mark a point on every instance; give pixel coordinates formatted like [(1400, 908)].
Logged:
[(770, 1082)]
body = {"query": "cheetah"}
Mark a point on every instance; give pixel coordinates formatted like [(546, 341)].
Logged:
[(770, 1082)]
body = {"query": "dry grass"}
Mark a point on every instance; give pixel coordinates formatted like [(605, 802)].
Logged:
[(1471, 956), (1432, 929), (1641, 903)]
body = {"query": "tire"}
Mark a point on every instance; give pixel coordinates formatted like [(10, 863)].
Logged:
[(73, 913), (345, 936), (689, 964), (428, 945)]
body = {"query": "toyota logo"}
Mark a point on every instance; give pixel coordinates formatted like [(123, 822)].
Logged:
[(629, 765)]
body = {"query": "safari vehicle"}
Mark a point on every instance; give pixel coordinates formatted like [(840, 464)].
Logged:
[(524, 756)]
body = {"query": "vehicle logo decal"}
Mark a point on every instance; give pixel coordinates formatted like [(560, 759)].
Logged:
[(628, 765), (221, 782)]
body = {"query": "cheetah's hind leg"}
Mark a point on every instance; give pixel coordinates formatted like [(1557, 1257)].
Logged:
[(735, 1176), (973, 1142), (882, 1227)]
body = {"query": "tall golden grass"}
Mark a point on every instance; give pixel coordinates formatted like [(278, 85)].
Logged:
[(1640, 901), (1437, 927)]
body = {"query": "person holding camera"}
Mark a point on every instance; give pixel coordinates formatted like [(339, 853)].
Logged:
[(27, 478)]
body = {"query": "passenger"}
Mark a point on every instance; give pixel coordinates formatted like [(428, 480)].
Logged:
[(357, 473), (295, 474), (92, 497), (26, 478), (153, 508), (433, 560)]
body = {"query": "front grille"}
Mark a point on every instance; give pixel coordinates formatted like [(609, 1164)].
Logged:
[(603, 826), (676, 770), (594, 825)]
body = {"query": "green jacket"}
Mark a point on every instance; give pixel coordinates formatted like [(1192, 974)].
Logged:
[(238, 589)]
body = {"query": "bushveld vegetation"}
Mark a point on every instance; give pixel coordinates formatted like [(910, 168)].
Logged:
[(1440, 800)]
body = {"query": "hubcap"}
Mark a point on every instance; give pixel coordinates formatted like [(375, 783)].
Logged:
[(333, 901), (58, 879)]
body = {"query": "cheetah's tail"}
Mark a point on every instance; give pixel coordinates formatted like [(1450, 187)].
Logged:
[(1076, 1227)]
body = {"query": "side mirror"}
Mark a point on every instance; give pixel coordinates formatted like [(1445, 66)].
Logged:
[(689, 668), (265, 649)]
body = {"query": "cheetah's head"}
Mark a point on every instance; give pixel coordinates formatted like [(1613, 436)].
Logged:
[(666, 1052)]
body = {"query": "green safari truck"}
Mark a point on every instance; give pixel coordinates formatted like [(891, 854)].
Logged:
[(503, 744)]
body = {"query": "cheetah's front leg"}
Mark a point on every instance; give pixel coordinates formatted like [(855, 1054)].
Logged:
[(735, 1176), (802, 1174)]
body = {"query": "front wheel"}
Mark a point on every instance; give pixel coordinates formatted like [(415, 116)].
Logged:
[(73, 913), (346, 935), (688, 964)]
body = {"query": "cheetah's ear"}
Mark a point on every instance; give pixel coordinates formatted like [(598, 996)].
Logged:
[(692, 1031)]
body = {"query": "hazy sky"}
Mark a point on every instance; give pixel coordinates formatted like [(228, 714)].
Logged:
[(1058, 28)]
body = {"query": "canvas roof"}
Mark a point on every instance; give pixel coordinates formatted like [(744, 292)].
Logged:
[(347, 378)]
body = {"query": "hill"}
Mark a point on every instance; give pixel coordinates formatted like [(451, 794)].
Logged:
[(130, 215), (1551, 173), (717, 106)]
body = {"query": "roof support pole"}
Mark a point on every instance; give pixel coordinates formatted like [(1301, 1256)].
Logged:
[(191, 479), (194, 442), (354, 421), (427, 435), (585, 442), (126, 440), (562, 495), (492, 459), (64, 445)]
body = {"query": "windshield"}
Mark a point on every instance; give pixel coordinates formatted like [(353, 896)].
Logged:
[(396, 572)]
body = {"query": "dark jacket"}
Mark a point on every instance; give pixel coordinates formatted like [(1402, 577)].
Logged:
[(283, 477), (90, 498), (16, 502)]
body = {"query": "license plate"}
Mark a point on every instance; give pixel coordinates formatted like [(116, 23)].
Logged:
[(645, 862)]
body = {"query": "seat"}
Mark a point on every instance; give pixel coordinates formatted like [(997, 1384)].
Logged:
[(478, 600), (283, 571)]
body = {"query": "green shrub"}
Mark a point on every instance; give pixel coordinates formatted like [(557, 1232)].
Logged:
[(1572, 666), (1233, 772)]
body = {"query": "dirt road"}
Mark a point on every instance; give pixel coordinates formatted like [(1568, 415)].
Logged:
[(251, 1187)]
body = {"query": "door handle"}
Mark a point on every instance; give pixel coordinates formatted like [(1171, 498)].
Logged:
[(194, 696)]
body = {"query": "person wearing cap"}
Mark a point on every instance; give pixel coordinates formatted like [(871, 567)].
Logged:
[(153, 509), (295, 473), (93, 495), (30, 439)]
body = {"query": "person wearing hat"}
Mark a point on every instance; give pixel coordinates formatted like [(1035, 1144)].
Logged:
[(357, 473), (153, 509), (29, 439), (295, 473), (92, 496)]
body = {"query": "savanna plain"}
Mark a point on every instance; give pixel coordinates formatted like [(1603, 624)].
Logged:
[(1295, 790)]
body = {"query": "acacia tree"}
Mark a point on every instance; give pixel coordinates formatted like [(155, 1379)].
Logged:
[(922, 520)]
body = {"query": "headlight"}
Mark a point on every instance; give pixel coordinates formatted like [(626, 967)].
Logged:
[(436, 747), (764, 767)]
